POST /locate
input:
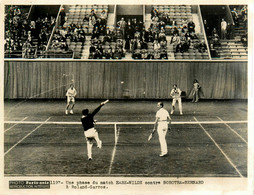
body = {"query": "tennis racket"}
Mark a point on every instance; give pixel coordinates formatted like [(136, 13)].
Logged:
[(105, 102), (151, 135)]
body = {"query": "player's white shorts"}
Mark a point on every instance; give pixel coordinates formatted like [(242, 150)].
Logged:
[(176, 99), (70, 99), (90, 133), (162, 126)]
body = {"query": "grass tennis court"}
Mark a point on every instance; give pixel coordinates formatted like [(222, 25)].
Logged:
[(209, 140)]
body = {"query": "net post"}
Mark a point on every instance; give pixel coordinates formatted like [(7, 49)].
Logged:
[(115, 127)]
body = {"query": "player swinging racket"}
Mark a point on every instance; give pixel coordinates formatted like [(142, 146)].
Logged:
[(71, 93), (176, 95), (89, 131), (162, 121)]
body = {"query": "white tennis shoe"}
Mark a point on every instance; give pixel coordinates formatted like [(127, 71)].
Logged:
[(163, 154), (66, 111), (99, 144), (71, 111)]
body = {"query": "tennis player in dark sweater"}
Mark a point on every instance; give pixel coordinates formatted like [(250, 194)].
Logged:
[(89, 131)]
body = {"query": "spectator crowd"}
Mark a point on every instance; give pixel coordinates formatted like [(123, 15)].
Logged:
[(24, 34)]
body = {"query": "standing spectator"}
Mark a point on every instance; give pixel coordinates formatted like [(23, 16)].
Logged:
[(235, 16), (92, 18), (103, 17), (230, 31), (223, 28), (122, 26), (62, 17), (207, 28), (195, 91)]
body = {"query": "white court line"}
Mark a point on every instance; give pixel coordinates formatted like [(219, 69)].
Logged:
[(114, 150), (124, 123), (229, 160), (14, 125), (25, 137), (234, 131)]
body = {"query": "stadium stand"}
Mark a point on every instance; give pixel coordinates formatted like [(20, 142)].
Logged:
[(235, 44), (184, 37), (91, 32)]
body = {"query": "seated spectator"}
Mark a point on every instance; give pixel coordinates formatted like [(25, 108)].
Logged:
[(119, 43), (144, 45), (214, 31), (183, 46), (144, 54), (202, 47), (185, 23), (136, 44), (149, 36), (157, 54), (91, 55), (150, 55), (98, 54), (191, 26), (175, 31), (161, 25), (163, 44), (156, 46), (164, 54), (118, 54), (162, 35), (175, 40), (92, 48), (137, 35), (95, 33), (136, 54), (86, 18), (216, 41), (64, 46), (107, 36), (244, 39)]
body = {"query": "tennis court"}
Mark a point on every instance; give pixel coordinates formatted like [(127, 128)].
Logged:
[(209, 140)]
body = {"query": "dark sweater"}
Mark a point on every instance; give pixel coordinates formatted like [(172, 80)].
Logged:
[(87, 121)]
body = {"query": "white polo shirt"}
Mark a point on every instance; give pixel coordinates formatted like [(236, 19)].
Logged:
[(162, 114), (71, 92), (176, 93)]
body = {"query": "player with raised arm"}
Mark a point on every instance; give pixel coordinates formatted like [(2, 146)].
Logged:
[(89, 131), (176, 95), (71, 93), (162, 121)]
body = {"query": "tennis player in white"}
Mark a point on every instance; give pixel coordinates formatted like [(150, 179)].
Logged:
[(71, 93), (162, 121), (176, 95)]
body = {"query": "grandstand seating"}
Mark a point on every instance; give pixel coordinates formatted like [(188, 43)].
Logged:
[(180, 14), (234, 48)]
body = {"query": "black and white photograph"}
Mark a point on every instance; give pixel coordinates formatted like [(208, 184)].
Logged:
[(126, 97)]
